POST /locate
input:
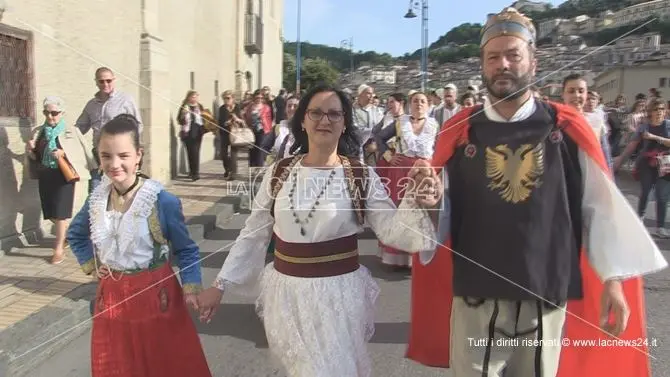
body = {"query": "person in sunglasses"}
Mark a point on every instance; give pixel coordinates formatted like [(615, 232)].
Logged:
[(51, 141), (105, 105)]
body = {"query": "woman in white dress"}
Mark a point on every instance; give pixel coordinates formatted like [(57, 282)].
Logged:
[(283, 140), (315, 300), (415, 136)]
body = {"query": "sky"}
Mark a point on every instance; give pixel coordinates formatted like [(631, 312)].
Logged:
[(378, 25)]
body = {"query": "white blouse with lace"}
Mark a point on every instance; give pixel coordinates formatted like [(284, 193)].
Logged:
[(333, 218), (123, 241), (421, 145), (300, 313)]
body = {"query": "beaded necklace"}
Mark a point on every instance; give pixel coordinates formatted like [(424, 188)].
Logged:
[(310, 214)]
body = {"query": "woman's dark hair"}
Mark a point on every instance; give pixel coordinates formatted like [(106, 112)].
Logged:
[(257, 92), (349, 145), (399, 97), (466, 96), (572, 77), (653, 104), (124, 124)]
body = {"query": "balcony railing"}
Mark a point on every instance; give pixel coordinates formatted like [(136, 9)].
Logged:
[(253, 36)]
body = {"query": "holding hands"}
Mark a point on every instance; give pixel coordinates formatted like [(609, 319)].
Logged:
[(208, 301), (428, 187)]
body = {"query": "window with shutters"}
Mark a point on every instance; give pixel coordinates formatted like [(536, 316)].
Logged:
[(16, 73)]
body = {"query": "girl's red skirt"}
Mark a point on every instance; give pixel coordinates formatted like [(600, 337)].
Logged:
[(396, 182), (142, 328)]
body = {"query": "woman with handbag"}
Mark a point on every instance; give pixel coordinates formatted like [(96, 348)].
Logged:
[(59, 157), (193, 119), (655, 140), (229, 116)]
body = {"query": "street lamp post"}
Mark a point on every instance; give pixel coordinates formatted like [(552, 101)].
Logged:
[(424, 37), (298, 59), (349, 44)]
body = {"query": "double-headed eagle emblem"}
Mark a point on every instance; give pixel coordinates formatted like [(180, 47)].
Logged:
[(515, 173)]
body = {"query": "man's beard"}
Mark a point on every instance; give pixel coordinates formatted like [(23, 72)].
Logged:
[(520, 85)]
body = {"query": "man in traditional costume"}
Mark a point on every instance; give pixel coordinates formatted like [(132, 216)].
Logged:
[(537, 241)]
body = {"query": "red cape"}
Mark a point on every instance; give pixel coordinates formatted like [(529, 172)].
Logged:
[(432, 285)]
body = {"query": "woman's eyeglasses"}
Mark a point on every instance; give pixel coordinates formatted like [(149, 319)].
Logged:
[(333, 116), (52, 113)]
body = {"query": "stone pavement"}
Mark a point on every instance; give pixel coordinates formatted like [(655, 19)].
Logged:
[(36, 297)]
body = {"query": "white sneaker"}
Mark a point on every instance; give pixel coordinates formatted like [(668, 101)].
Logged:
[(663, 233)]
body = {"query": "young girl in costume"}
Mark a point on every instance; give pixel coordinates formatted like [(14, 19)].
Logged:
[(126, 234)]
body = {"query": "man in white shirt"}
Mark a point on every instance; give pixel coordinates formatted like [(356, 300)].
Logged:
[(366, 114), (449, 107), (105, 105)]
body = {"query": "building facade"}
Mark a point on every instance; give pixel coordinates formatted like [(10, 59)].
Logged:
[(631, 80), (158, 50)]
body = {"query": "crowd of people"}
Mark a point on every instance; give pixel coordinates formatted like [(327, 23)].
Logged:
[(502, 204)]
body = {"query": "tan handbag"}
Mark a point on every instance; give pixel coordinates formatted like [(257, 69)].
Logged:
[(209, 124), (241, 137), (69, 172)]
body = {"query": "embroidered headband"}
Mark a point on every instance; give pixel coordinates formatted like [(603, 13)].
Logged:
[(508, 22)]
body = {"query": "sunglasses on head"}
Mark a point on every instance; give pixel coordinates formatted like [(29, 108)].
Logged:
[(105, 81), (53, 113)]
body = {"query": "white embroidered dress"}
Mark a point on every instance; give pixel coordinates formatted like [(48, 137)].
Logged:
[(421, 145), (410, 144), (123, 241), (318, 327)]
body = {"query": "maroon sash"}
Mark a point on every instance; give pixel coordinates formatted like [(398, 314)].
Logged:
[(317, 260)]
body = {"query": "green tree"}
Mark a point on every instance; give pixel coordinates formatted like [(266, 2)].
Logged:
[(317, 71)]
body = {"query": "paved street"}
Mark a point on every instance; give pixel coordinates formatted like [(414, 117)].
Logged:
[(235, 342)]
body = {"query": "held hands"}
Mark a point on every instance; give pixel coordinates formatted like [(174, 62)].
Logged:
[(191, 300), (371, 147), (427, 185), (101, 272), (613, 303), (209, 300), (397, 159)]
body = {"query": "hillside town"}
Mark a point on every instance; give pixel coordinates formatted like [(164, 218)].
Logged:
[(627, 66)]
